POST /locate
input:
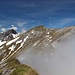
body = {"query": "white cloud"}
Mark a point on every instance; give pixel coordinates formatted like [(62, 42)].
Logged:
[(13, 27), (20, 24), (3, 29)]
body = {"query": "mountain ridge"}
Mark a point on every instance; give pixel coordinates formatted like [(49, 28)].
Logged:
[(38, 37), (38, 33)]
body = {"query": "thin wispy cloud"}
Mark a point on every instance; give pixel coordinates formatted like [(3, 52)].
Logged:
[(63, 23), (27, 14), (20, 24), (3, 16), (48, 8)]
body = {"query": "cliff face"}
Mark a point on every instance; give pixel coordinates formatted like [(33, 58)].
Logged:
[(39, 48)]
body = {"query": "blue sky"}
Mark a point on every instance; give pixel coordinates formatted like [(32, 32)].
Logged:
[(22, 15)]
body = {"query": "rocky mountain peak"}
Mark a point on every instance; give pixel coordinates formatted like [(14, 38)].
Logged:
[(11, 31), (7, 35)]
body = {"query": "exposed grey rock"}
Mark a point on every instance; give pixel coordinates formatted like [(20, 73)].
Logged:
[(7, 35)]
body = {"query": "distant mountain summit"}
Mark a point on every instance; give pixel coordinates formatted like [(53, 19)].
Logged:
[(8, 35)]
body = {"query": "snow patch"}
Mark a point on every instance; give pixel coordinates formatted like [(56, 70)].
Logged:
[(2, 42), (1, 47), (48, 32), (12, 48), (32, 31), (18, 41), (25, 38), (10, 42), (15, 35), (23, 42)]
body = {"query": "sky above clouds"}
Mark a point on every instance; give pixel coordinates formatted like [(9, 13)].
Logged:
[(22, 15)]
